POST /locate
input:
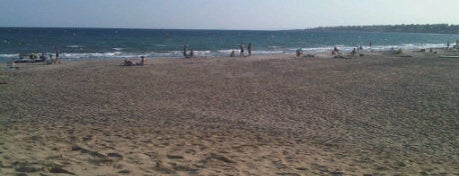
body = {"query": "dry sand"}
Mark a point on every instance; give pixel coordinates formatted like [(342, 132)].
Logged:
[(260, 115)]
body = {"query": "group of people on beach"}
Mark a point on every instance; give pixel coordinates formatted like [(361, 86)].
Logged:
[(39, 58), (454, 47), (241, 53), (56, 59), (187, 54), (51, 60), (134, 63)]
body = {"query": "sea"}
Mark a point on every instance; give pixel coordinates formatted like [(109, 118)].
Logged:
[(105, 44)]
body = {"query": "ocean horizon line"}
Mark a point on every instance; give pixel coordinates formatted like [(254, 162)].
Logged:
[(128, 28)]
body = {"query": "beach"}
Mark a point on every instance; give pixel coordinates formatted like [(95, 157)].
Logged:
[(379, 114)]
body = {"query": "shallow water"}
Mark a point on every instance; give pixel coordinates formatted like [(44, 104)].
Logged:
[(87, 43)]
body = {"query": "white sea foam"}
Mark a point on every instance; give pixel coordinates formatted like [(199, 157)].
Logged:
[(120, 54), (118, 49), (74, 46), (227, 51), (267, 52), (93, 55), (9, 55), (410, 46)]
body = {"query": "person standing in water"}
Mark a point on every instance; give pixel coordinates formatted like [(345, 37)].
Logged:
[(57, 60), (242, 49), (57, 53), (185, 48)]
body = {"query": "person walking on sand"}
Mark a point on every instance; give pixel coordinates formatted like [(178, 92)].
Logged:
[(242, 49), (249, 49)]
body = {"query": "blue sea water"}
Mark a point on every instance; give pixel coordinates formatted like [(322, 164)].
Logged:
[(91, 44)]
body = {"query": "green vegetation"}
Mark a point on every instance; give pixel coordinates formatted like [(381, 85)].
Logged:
[(411, 28)]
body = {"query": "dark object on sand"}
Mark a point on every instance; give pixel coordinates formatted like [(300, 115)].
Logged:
[(341, 57), (59, 170), (133, 63), (129, 63), (32, 58), (405, 56), (422, 50)]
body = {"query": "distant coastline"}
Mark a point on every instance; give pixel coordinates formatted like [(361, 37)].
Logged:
[(404, 28)]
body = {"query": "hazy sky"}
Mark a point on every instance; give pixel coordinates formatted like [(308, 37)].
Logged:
[(224, 14)]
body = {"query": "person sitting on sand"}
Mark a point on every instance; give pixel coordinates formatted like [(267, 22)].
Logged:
[(133, 63), (42, 56), (191, 54), (299, 52), (50, 60), (353, 52), (335, 51), (57, 60), (11, 65), (33, 57), (129, 63), (142, 60), (233, 54)]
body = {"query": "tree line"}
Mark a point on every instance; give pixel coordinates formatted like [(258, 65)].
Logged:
[(411, 28)]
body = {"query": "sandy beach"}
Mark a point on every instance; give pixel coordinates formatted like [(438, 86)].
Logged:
[(379, 114)]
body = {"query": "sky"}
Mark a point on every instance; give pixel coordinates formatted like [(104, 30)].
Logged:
[(224, 14)]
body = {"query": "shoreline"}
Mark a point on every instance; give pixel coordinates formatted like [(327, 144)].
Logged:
[(378, 114), (119, 54), (320, 54)]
